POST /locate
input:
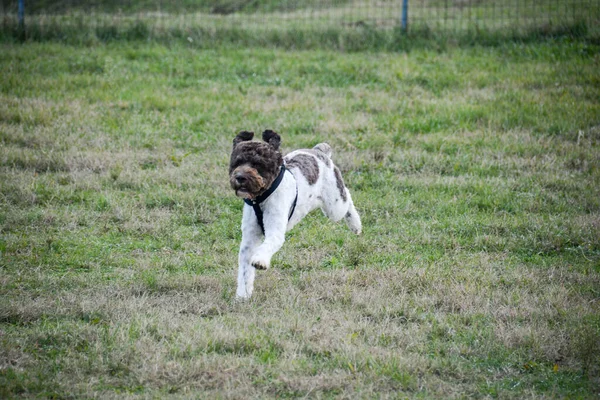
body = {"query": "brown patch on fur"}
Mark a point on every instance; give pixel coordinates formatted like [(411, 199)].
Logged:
[(320, 155), (324, 147), (307, 165), (340, 183)]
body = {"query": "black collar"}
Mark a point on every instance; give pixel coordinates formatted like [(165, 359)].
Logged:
[(255, 204), (270, 190)]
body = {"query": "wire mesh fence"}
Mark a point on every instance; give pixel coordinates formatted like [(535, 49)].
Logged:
[(443, 16)]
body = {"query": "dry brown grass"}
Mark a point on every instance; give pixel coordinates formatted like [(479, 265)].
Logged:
[(476, 275)]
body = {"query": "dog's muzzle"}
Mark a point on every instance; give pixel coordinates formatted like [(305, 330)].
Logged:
[(246, 182)]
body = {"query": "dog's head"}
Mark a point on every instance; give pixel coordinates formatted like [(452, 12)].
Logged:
[(254, 165)]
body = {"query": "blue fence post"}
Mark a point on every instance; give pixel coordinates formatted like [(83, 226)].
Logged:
[(21, 16), (404, 21)]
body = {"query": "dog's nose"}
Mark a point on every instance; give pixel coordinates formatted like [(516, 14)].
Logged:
[(239, 178)]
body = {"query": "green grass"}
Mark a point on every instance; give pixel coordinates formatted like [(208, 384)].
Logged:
[(475, 169), (206, 6), (306, 24)]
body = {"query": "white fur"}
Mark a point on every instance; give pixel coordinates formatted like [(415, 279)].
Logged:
[(324, 194)]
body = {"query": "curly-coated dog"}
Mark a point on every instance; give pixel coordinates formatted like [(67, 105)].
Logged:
[(278, 192)]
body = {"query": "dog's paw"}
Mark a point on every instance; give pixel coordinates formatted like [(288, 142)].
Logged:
[(242, 298), (243, 294), (260, 263)]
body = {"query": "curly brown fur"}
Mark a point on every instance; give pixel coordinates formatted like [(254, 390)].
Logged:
[(254, 165), (272, 138)]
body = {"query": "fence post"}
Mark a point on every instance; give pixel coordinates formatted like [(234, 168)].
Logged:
[(404, 18), (21, 17)]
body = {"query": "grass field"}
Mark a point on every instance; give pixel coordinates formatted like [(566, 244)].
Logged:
[(476, 171), (347, 25)]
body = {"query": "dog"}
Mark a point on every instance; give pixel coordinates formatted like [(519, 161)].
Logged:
[(278, 192)]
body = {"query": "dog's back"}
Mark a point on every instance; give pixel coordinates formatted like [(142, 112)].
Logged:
[(326, 188)]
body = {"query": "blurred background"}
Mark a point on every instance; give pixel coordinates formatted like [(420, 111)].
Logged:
[(297, 23)]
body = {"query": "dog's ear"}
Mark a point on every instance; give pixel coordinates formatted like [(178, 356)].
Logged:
[(272, 138), (243, 136)]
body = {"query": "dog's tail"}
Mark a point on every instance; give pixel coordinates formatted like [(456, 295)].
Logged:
[(324, 148)]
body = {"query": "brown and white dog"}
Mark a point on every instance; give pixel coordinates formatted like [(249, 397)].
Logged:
[(279, 192)]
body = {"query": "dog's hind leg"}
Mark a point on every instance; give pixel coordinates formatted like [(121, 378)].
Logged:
[(338, 204), (352, 218), (339, 209)]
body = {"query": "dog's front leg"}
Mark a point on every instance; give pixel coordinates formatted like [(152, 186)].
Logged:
[(251, 236), (275, 227)]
